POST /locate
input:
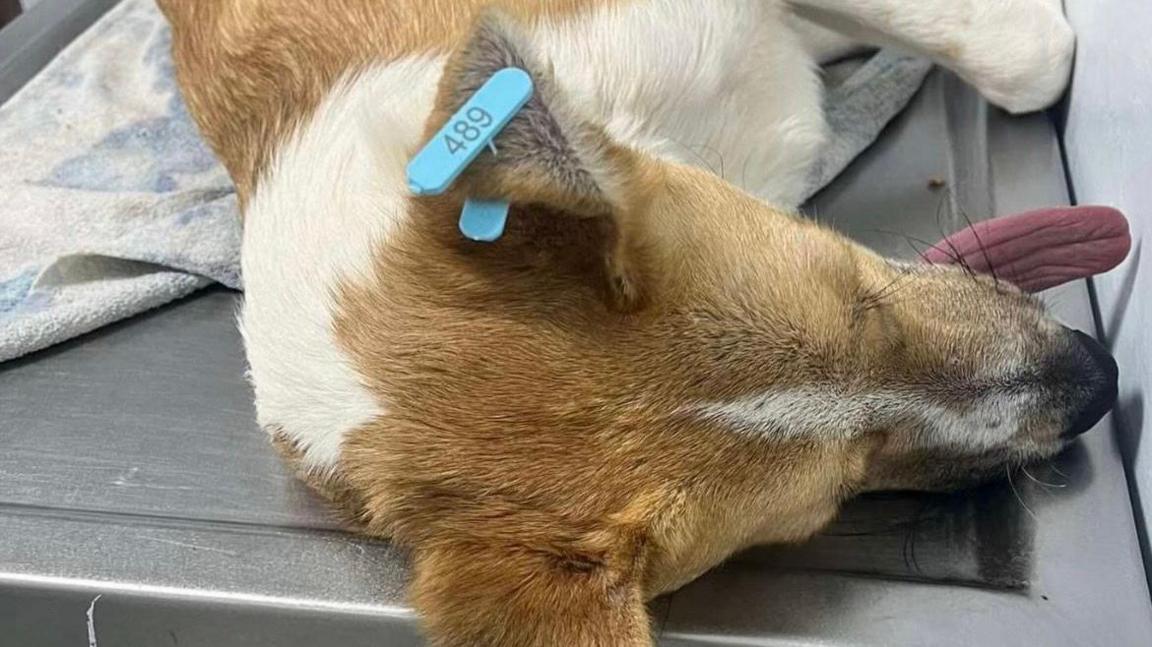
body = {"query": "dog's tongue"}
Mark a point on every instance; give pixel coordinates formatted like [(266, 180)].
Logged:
[(1040, 249)]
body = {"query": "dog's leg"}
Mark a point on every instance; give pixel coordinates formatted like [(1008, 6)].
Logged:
[(1018, 53), (529, 594)]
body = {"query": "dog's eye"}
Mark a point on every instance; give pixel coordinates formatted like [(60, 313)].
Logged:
[(867, 301), (872, 298), (873, 320)]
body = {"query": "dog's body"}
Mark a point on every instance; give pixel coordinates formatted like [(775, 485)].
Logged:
[(597, 409)]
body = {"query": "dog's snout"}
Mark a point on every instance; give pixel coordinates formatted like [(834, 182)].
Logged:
[(1097, 374)]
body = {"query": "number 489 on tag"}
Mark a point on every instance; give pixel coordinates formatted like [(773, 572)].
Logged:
[(468, 129)]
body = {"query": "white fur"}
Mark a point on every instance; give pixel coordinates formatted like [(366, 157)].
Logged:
[(1018, 53), (829, 413), (326, 199), (726, 86)]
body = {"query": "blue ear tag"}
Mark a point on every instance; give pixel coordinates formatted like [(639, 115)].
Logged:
[(455, 145), (483, 220)]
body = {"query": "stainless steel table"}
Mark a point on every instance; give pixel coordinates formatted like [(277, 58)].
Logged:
[(131, 469)]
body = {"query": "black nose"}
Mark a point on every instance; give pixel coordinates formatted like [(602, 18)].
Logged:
[(1098, 376)]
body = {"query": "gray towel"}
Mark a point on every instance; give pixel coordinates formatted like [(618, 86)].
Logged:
[(112, 205)]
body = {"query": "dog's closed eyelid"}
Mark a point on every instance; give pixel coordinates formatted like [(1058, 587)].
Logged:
[(866, 302), (873, 325)]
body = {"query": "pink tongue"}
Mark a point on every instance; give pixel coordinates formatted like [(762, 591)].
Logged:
[(1040, 249)]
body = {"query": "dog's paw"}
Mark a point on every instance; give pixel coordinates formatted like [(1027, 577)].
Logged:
[(1017, 53)]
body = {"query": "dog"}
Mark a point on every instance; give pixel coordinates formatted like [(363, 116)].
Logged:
[(654, 367)]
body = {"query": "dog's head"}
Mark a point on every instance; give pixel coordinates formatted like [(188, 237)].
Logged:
[(652, 368), (629, 285)]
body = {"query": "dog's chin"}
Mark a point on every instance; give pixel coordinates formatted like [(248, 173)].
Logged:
[(941, 474)]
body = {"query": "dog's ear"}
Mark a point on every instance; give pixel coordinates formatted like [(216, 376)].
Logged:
[(583, 592), (549, 154)]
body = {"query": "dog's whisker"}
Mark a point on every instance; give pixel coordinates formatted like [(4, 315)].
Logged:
[(1039, 482), (960, 260), (876, 298), (1019, 499), (980, 244)]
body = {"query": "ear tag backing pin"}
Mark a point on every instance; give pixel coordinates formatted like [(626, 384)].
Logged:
[(469, 131)]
